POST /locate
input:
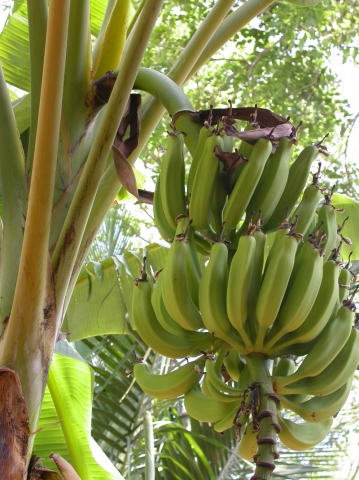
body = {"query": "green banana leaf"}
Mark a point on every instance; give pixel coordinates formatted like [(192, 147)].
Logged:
[(65, 419), (101, 301)]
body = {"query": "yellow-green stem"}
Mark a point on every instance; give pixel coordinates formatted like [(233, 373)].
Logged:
[(28, 345)]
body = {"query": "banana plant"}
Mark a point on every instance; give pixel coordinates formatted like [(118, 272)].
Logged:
[(58, 178)]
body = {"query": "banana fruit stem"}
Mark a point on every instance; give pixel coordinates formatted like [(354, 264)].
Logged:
[(264, 413)]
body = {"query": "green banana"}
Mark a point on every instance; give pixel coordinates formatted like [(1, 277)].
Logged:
[(284, 367), (246, 184), (172, 179), (301, 436), (272, 183), (168, 385), (245, 378), (333, 376), (214, 392), (330, 342), (219, 201), (255, 280), (204, 133), (345, 279), (213, 374), (207, 409), (238, 285), (299, 298), (166, 229), (204, 184), (321, 311), (248, 446), (212, 296), (204, 387), (194, 269), (234, 364), (228, 422), (176, 296), (297, 178), (305, 212), (154, 335), (274, 285), (164, 318), (328, 219), (321, 408)]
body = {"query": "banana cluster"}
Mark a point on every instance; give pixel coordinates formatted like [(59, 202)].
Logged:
[(273, 288)]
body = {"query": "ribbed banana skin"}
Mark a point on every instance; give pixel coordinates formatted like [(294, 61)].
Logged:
[(248, 446), (162, 315), (168, 385), (319, 409), (246, 184), (284, 367), (219, 200), (274, 285), (154, 335), (301, 436), (321, 311), (330, 342), (212, 296), (221, 396), (176, 296), (207, 409), (333, 376), (172, 178), (299, 298), (326, 214), (238, 286), (307, 208), (255, 282), (166, 230), (272, 183), (297, 178), (193, 267), (204, 133), (204, 184)]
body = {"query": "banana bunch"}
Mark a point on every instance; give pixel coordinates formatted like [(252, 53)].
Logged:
[(254, 277)]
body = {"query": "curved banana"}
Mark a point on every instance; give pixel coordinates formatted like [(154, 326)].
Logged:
[(321, 408), (297, 178), (207, 409), (204, 184), (234, 364), (238, 285), (284, 367), (333, 376), (274, 285), (345, 279), (212, 296), (204, 133), (246, 184), (321, 311), (248, 446), (172, 176), (299, 298), (154, 335), (327, 218), (301, 436), (228, 422), (219, 200), (176, 296), (305, 212), (168, 385), (245, 378), (166, 230), (213, 374), (255, 281), (330, 342), (272, 183), (194, 269)]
